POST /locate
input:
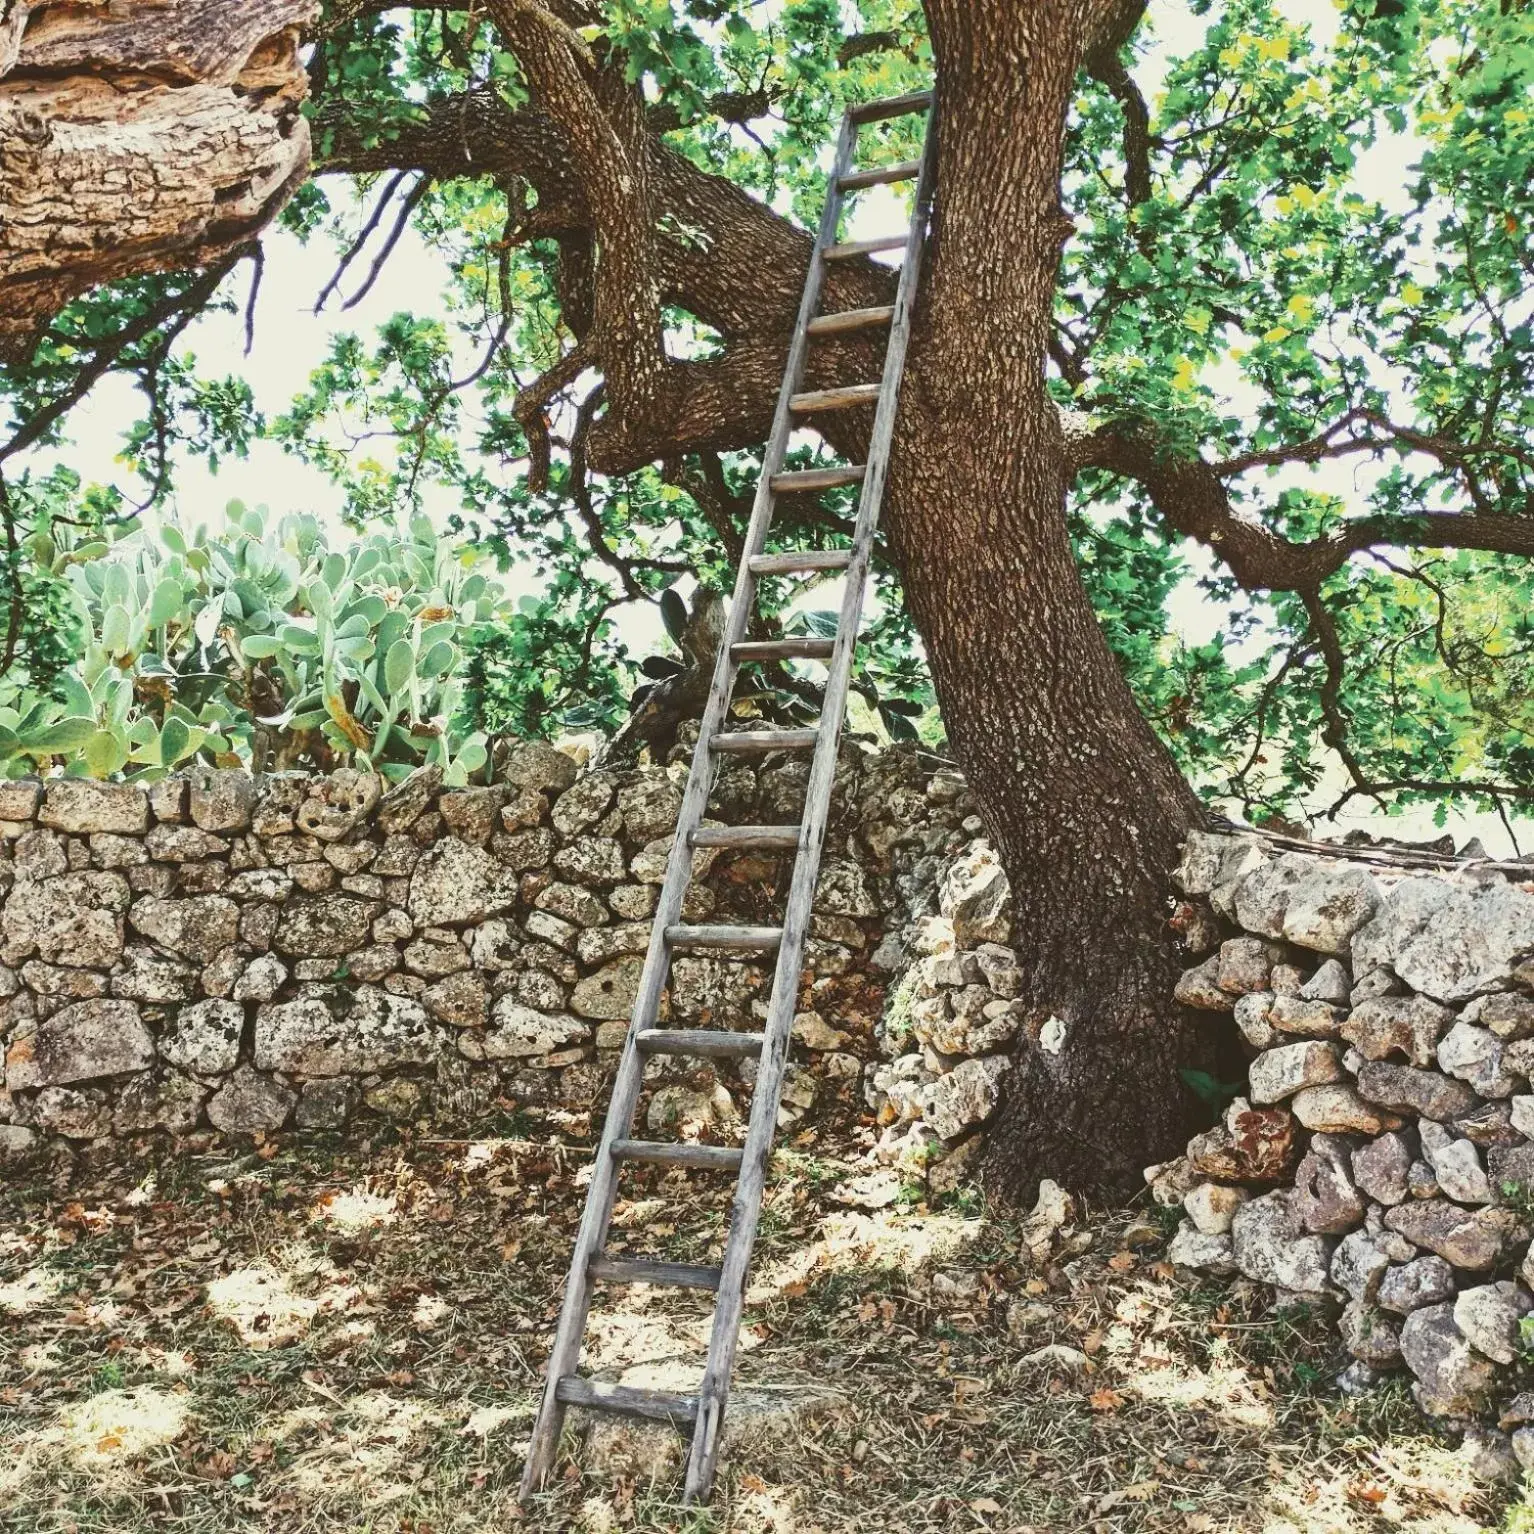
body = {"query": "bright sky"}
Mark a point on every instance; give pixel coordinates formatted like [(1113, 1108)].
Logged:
[(291, 340)]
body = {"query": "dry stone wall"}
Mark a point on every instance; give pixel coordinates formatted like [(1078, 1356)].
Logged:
[(218, 951), (1382, 1154)]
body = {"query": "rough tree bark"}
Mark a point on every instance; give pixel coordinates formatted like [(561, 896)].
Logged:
[(1084, 802), (139, 138)]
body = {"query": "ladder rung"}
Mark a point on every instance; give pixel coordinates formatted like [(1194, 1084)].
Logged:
[(748, 838), (844, 398), (738, 939), (851, 319), (706, 1043), (654, 1404), (722, 1158), (891, 106), (782, 649), (646, 1270), (804, 562), (848, 249), (906, 170), (817, 479), (754, 741)]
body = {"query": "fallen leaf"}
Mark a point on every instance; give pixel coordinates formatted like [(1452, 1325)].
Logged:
[(1105, 1400), (1367, 1491)]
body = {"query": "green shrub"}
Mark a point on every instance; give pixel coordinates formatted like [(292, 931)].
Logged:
[(259, 645)]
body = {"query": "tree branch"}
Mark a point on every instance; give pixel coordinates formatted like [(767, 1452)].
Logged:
[(714, 251), (411, 201), (1104, 62), (1331, 444), (176, 310), (1192, 497), (353, 250)]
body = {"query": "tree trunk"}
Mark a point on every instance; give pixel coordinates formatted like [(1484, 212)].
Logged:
[(150, 139), (1086, 806)]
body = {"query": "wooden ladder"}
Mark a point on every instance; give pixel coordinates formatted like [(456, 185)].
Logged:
[(703, 1413)]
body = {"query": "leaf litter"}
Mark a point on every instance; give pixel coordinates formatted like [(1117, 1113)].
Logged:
[(318, 1337)]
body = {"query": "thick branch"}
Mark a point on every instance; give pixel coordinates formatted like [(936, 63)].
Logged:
[(171, 134), (1104, 62), (1192, 497), (716, 251), (601, 119)]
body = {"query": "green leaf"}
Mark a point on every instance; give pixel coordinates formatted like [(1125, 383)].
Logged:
[(104, 753), (115, 626), (436, 662), (77, 697), (317, 595), (165, 603), (55, 739), (175, 742), (399, 665)]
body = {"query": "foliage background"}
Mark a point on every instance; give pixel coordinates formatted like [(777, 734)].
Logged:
[(1327, 222)]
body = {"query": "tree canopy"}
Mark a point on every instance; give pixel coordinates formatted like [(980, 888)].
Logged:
[(1291, 346)]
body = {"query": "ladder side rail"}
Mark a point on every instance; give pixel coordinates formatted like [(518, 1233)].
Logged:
[(714, 1391), (564, 1356)]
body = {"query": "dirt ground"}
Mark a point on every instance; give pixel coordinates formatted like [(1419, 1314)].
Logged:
[(311, 1337)]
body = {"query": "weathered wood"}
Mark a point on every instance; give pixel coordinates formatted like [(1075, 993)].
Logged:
[(801, 562), (648, 1270), (847, 397), (600, 1191), (655, 1405), (140, 137), (851, 319), (707, 1043), (731, 939), (670, 935), (883, 175), (758, 742), (782, 649), (817, 479), (891, 106), (748, 838), (713, 1393), (704, 1158), (850, 250)]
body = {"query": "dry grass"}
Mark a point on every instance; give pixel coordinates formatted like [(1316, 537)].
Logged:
[(311, 1339)]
